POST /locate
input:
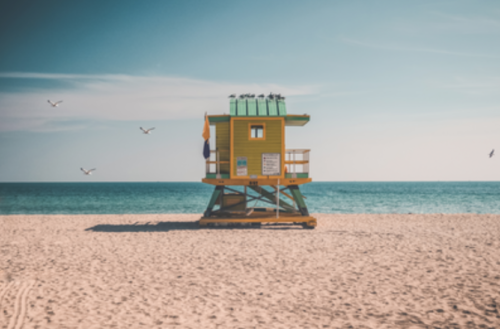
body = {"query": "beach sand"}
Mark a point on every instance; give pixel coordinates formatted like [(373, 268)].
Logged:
[(162, 271)]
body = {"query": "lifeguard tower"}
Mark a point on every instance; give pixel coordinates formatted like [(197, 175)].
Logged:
[(250, 164)]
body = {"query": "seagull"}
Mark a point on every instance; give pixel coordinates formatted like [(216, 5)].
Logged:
[(242, 96), (261, 96), (232, 96), (271, 95), (492, 153), (252, 96), (56, 104), (87, 172), (147, 132)]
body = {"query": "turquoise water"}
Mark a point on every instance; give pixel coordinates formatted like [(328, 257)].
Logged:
[(322, 197)]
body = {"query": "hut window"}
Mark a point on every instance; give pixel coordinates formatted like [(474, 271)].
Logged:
[(257, 131)]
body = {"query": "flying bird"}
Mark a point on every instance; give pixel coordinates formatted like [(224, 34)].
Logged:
[(87, 172), (147, 132), (56, 104), (492, 153), (232, 96)]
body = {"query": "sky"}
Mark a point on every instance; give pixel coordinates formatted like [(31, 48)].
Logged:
[(396, 90)]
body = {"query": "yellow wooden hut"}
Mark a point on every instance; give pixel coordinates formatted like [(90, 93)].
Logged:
[(250, 152)]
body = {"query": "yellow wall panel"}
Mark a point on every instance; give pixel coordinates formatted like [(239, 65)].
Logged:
[(243, 146)]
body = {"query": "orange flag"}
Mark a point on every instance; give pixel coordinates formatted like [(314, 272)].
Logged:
[(206, 129), (206, 137)]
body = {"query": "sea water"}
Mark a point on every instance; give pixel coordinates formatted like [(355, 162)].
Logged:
[(192, 198)]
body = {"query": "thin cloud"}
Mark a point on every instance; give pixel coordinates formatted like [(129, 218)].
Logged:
[(473, 22), (124, 98), (411, 49), (476, 86)]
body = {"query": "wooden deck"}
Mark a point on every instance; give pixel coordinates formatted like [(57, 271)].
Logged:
[(259, 217)]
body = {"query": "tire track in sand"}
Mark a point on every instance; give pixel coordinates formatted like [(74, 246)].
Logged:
[(4, 291), (13, 318), (20, 307), (24, 305)]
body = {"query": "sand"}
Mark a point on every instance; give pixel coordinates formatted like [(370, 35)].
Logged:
[(161, 271)]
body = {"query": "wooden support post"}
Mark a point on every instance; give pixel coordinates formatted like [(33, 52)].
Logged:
[(301, 204), (271, 198), (215, 195), (284, 193)]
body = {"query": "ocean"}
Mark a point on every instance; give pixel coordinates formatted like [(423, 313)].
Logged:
[(192, 198)]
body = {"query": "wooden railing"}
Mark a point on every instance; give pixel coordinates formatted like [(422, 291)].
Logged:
[(294, 157), (296, 161), (217, 162)]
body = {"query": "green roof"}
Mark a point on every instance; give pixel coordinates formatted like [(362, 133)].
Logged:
[(257, 107), (290, 120)]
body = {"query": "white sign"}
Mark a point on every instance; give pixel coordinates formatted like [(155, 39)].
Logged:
[(271, 164), (241, 166)]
